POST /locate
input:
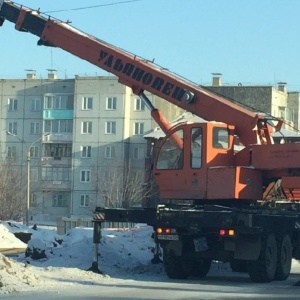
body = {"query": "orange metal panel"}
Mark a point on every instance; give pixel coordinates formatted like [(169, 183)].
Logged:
[(21, 18), (271, 157), (234, 183), (290, 182), (291, 187)]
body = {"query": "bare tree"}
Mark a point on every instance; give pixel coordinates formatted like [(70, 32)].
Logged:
[(123, 186), (12, 192)]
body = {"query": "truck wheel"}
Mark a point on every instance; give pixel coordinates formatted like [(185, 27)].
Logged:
[(240, 266), (174, 265), (284, 260), (200, 267), (263, 269)]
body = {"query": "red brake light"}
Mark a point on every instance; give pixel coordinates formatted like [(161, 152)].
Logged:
[(222, 232), (167, 230)]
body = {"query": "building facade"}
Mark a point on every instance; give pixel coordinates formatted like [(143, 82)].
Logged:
[(79, 133), (265, 99)]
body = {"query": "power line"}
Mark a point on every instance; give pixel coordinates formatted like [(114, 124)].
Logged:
[(93, 6)]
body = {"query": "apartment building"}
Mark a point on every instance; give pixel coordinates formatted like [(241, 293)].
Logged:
[(267, 99), (78, 132)]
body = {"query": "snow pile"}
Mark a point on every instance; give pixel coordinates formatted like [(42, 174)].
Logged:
[(124, 254), (8, 239), (15, 276)]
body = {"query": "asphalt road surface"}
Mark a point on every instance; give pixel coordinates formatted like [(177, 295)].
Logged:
[(232, 286)]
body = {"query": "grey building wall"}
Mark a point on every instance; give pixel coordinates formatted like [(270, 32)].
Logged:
[(59, 192), (294, 108), (264, 99)]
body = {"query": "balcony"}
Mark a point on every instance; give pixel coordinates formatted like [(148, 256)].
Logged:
[(58, 137), (56, 161), (63, 114), (55, 185)]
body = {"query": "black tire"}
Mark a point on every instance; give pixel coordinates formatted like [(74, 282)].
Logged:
[(200, 268), (240, 266), (173, 266), (263, 269), (284, 258)]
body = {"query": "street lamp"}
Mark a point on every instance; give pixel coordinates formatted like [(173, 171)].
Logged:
[(28, 148)]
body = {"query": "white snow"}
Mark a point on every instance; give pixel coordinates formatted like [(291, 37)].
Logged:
[(125, 255)]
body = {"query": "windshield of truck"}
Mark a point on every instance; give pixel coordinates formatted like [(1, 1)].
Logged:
[(171, 154)]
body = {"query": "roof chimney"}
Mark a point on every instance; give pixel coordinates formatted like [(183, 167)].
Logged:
[(30, 74), (282, 86), (52, 73), (217, 80)]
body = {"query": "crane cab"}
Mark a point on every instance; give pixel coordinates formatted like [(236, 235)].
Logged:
[(196, 162), (185, 155)]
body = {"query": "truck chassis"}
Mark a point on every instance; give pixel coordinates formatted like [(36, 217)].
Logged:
[(258, 239)]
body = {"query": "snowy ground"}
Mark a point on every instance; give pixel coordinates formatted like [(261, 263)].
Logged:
[(124, 256)]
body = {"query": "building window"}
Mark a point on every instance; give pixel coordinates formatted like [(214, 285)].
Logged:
[(12, 128), (110, 152), (56, 174), (84, 201), (110, 127), (138, 128), (33, 199), (34, 151), (58, 126), (87, 103), (139, 104), (111, 103), (59, 200), (12, 104), (34, 128), (57, 150), (58, 102), (86, 151), (35, 104), (85, 176), (138, 153), (11, 152), (86, 127)]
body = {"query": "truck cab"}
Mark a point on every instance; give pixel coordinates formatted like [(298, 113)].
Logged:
[(185, 156)]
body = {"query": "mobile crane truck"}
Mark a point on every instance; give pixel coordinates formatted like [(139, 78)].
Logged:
[(215, 203)]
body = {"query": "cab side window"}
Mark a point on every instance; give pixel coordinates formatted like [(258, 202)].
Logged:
[(196, 148), (220, 138)]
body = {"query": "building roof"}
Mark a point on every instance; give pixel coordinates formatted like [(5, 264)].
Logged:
[(186, 117), (283, 133)]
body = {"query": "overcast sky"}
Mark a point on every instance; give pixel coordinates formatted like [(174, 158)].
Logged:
[(253, 42)]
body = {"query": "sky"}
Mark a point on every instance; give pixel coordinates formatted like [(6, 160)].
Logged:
[(249, 42)]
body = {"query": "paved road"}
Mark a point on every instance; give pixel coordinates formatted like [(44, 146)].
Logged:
[(231, 286)]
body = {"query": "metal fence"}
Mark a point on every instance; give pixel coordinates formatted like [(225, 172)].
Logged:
[(65, 224)]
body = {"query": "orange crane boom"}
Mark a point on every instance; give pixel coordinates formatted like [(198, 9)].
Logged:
[(137, 73)]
